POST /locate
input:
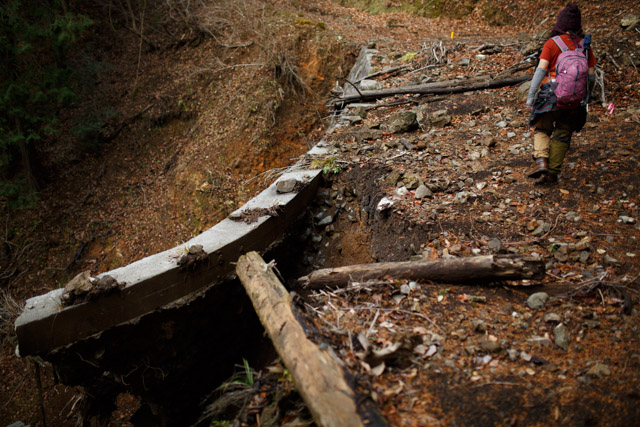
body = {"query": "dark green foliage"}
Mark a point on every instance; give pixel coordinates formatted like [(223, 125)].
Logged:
[(36, 80)]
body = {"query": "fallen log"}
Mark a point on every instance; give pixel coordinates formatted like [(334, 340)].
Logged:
[(370, 95), (317, 376), (448, 270)]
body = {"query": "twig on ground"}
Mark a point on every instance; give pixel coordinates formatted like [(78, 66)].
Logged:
[(495, 383)]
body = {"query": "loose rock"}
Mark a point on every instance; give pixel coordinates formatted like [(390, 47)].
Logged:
[(537, 300), (561, 336)]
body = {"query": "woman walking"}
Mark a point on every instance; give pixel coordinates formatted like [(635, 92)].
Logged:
[(564, 75)]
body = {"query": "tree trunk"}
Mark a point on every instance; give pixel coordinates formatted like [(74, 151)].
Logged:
[(429, 89), (28, 155), (317, 376), (449, 270)]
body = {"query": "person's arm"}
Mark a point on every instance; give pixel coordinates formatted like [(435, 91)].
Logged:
[(538, 76)]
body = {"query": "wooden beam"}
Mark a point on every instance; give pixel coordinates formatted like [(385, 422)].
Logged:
[(317, 376)]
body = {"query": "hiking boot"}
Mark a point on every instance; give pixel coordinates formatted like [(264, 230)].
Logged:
[(540, 168), (548, 179)]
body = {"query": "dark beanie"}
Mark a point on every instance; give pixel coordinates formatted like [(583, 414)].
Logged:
[(569, 19)]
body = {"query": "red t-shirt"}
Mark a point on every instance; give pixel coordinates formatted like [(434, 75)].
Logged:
[(551, 51)]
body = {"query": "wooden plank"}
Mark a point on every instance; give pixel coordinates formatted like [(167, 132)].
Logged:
[(318, 377)]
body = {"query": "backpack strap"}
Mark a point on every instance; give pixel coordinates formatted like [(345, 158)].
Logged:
[(560, 43), (563, 46)]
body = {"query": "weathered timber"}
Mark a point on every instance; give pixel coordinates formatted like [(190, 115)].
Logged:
[(317, 376), (449, 270), (429, 89)]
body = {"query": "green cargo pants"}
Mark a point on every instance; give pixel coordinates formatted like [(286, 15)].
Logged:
[(552, 136)]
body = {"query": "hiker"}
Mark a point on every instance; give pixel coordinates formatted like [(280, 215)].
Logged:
[(559, 109)]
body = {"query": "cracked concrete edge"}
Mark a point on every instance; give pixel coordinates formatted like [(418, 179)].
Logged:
[(157, 280), (360, 70)]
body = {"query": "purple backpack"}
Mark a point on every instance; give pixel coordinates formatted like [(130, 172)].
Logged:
[(572, 70)]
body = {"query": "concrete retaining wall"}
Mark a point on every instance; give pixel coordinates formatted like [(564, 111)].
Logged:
[(157, 280)]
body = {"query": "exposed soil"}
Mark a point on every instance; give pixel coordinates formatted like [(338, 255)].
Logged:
[(199, 126)]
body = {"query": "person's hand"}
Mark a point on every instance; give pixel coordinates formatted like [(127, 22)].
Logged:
[(530, 101)]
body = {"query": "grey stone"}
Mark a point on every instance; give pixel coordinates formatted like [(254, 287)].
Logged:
[(326, 220), (402, 121), (573, 216), (286, 185), (440, 118), (513, 354), (626, 219), (422, 192), (393, 177), (552, 317), (523, 90), (490, 346), (411, 181), (370, 85), (496, 246), (401, 191), (507, 309), (352, 120), (384, 204), (537, 300), (540, 340), (629, 22), (583, 245), (609, 260), (464, 197), (599, 370), (561, 336), (592, 324), (361, 112), (479, 325), (542, 229)]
